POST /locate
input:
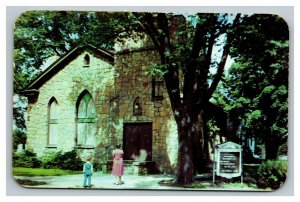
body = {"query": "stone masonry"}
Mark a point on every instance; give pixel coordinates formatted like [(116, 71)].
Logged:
[(113, 88)]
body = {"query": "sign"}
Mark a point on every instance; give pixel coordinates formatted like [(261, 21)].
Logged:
[(229, 160)]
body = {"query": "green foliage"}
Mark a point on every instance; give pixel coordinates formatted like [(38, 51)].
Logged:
[(41, 34), (19, 109), (67, 161), (48, 160), (283, 149), (158, 69), (19, 137), (256, 88), (26, 159), (272, 173), (213, 128)]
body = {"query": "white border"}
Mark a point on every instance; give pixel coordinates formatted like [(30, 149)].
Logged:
[(110, 3)]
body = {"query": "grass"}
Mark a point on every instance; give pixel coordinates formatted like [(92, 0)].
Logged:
[(17, 171)]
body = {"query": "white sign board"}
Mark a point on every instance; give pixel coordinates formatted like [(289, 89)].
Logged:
[(229, 160)]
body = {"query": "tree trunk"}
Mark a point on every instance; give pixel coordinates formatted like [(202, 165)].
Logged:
[(185, 168), (201, 141)]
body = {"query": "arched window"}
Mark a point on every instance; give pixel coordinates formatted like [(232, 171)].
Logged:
[(86, 119), (137, 108), (86, 61), (52, 122)]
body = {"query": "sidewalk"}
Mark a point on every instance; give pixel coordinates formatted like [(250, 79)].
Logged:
[(106, 181), (100, 181)]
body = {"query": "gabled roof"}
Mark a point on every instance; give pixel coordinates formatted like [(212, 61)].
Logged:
[(229, 145), (59, 64)]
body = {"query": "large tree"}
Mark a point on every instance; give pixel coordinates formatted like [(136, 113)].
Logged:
[(186, 53), (257, 85)]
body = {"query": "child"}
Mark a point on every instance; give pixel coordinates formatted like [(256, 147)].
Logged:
[(87, 172)]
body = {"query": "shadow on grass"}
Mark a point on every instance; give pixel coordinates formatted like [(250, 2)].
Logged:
[(30, 182)]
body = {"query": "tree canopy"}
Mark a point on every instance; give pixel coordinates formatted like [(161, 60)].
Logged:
[(257, 84), (41, 34)]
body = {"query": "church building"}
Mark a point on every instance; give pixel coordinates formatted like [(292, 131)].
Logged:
[(91, 99)]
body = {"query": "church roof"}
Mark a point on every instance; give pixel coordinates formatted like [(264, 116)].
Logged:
[(63, 61)]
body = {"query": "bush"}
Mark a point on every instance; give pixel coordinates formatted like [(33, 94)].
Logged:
[(26, 159), (272, 173), (19, 137), (48, 159), (66, 161)]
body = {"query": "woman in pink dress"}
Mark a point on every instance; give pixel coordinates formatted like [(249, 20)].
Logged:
[(118, 164)]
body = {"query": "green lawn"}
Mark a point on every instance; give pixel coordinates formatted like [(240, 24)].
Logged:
[(17, 171)]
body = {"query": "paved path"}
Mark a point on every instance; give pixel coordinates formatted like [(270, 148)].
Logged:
[(101, 181), (106, 181)]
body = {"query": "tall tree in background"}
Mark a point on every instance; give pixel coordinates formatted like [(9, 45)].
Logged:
[(186, 54), (257, 84)]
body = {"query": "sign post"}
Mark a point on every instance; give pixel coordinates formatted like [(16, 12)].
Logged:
[(228, 160)]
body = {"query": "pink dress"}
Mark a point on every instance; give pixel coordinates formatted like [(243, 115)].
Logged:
[(118, 164)]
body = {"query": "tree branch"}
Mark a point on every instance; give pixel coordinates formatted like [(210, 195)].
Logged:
[(189, 77), (201, 79), (161, 41), (225, 54), (149, 27)]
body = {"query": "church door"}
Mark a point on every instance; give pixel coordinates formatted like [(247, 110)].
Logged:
[(137, 141)]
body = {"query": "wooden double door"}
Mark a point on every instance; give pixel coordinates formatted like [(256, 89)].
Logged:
[(137, 141)]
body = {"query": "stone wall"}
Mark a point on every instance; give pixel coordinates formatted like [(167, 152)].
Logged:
[(135, 80), (66, 86)]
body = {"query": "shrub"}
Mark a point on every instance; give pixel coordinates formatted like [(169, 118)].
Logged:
[(48, 159), (26, 159), (19, 137), (66, 161), (272, 173)]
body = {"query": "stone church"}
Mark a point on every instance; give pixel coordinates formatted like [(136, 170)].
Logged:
[(91, 99)]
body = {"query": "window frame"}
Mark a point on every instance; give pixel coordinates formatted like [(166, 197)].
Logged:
[(52, 121), (157, 84), (84, 119), (86, 60)]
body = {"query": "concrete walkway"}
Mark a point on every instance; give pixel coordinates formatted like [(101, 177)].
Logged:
[(106, 181), (100, 181)]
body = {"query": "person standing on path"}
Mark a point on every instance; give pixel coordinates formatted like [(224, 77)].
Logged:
[(87, 172), (118, 164)]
